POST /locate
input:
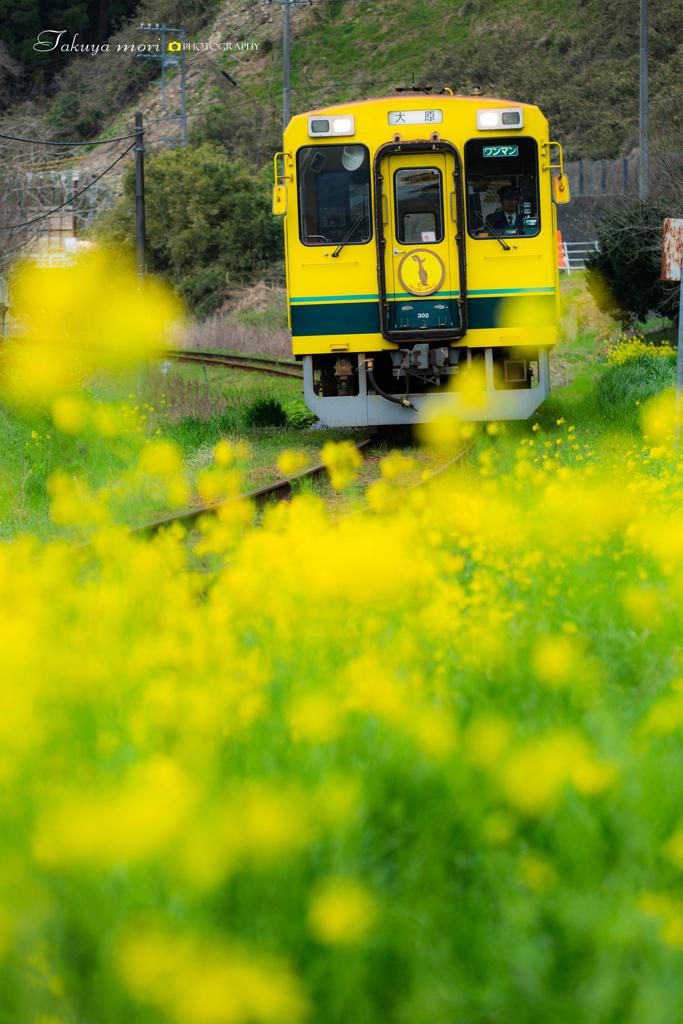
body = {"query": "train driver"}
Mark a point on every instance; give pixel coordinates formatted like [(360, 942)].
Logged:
[(508, 220)]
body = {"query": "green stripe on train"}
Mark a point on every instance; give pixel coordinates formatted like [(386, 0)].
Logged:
[(485, 312)]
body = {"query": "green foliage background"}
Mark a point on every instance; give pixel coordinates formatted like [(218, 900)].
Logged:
[(624, 276), (217, 214), (576, 59)]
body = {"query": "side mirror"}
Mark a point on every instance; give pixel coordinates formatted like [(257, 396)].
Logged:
[(279, 199), (560, 188)]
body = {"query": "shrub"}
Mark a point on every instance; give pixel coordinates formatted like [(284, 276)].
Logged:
[(298, 413), (624, 276), (265, 412), (218, 217)]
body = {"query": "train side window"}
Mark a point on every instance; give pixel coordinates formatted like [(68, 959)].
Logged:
[(334, 195), (419, 205), (502, 187)]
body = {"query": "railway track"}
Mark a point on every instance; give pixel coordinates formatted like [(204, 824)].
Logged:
[(282, 489), (279, 489), (257, 364)]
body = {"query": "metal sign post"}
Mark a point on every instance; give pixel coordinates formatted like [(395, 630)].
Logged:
[(672, 264)]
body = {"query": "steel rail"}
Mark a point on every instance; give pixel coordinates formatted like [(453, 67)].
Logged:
[(259, 364), (276, 367), (412, 487), (237, 357), (279, 489)]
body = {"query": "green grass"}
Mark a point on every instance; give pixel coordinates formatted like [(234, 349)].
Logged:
[(195, 412), (622, 390), (179, 406)]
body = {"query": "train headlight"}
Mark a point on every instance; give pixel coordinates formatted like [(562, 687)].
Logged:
[(503, 118), (342, 125)]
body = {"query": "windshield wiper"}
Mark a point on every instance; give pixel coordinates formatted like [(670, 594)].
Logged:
[(348, 234), (489, 228)]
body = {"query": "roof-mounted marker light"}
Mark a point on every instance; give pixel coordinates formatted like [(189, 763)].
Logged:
[(342, 125), (504, 118)]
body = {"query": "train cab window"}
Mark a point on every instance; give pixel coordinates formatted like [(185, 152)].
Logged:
[(334, 195), (419, 205), (502, 187)]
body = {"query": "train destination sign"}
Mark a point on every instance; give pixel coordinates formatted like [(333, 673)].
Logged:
[(415, 116), (501, 150)]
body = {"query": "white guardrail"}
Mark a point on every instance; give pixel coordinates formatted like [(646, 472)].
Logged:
[(572, 255)]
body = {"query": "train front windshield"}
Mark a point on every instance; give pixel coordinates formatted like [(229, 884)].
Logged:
[(502, 187), (334, 195)]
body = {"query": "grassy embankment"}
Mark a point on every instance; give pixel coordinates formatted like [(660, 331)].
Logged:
[(180, 407)]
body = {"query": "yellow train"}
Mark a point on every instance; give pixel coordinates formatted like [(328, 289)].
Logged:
[(421, 248)]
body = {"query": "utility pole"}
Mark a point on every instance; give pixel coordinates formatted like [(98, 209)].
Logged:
[(172, 54), (285, 69), (74, 211), (141, 256), (286, 5), (644, 142), (183, 99)]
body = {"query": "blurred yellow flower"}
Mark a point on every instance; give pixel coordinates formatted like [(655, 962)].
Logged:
[(341, 912), (486, 738), (537, 873), (224, 453), (395, 464), (90, 314), (554, 660), (673, 847), (315, 717), (342, 460), (70, 413), (160, 458), (670, 912), (291, 462), (123, 825), (533, 776), (198, 981), (443, 432)]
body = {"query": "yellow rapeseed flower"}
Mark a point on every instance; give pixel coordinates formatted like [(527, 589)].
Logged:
[(341, 912)]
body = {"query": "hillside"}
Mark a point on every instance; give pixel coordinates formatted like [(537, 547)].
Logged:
[(578, 60)]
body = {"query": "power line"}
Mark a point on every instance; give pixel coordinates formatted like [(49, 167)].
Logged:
[(75, 195)]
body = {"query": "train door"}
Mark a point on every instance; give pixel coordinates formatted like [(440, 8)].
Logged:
[(421, 262)]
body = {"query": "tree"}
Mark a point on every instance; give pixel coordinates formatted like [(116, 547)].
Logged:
[(624, 276), (218, 217)]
